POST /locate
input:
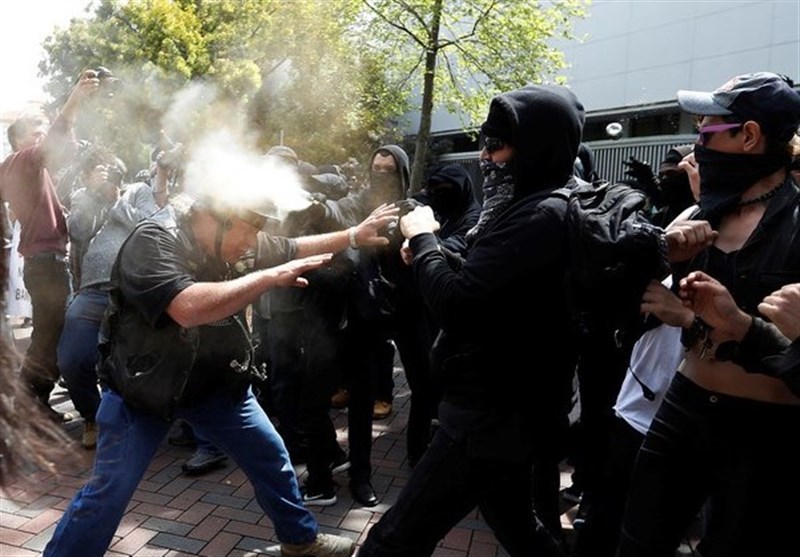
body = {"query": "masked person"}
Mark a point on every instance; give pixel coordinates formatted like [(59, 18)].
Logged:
[(720, 430), (504, 386), (381, 308), (173, 345)]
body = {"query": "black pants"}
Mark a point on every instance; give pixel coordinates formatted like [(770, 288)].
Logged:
[(600, 533), (445, 486), (47, 280), (738, 454)]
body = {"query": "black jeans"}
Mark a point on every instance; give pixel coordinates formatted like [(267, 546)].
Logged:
[(600, 533), (445, 486), (739, 454), (47, 279)]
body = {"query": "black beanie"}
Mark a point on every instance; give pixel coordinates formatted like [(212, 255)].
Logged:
[(497, 124)]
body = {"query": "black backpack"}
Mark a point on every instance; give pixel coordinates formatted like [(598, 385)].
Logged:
[(614, 253)]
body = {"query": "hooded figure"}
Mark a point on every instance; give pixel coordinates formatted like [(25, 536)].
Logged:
[(506, 385), (450, 194)]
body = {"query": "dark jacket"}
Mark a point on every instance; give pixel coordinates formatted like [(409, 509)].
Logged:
[(147, 357), (769, 259), (505, 349), (765, 350), (380, 282)]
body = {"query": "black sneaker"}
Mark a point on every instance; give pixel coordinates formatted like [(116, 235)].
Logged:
[(580, 517), (572, 494), (205, 459), (340, 464), (321, 498)]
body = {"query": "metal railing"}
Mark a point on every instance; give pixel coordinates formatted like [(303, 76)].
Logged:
[(608, 155)]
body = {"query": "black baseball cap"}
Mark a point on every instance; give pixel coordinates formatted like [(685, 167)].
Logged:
[(764, 97)]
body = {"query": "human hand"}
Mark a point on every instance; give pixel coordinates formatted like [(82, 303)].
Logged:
[(714, 304), (687, 238), (782, 307), (405, 252), (418, 221), (641, 171), (367, 232), (87, 85), (289, 274), (666, 306), (689, 165)]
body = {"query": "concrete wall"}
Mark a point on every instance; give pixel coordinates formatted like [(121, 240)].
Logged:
[(638, 52)]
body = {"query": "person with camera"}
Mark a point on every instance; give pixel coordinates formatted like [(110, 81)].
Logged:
[(27, 184), (173, 344), (103, 213)]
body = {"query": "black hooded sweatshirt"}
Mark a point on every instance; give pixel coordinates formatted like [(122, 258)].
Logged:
[(461, 212), (506, 351)]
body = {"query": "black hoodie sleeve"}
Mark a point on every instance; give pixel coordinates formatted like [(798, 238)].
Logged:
[(765, 350)]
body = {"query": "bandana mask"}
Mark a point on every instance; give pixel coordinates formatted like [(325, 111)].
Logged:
[(498, 192), (724, 177)]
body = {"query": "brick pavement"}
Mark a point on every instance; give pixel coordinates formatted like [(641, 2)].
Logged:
[(216, 515)]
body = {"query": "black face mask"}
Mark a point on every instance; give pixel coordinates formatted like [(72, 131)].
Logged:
[(724, 177), (385, 180), (443, 199)]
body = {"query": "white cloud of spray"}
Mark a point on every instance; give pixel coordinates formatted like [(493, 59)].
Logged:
[(221, 168), (221, 165)]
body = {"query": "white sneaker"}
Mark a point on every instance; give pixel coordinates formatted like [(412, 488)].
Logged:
[(325, 545), (89, 436)]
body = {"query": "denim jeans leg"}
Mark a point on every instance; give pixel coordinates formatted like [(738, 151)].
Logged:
[(242, 429), (77, 350), (127, 441)]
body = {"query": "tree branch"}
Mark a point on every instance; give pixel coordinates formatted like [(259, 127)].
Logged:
[(395, 25)]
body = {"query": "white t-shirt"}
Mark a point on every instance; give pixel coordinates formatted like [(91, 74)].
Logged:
[(655, 359)]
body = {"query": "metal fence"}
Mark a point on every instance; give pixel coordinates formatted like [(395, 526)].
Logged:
[(608, 155)]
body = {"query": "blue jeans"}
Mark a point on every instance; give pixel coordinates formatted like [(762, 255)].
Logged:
[(77, 349), (129, 438)]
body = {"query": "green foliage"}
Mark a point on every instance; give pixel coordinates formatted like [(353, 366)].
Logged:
[(329, 77), (266, 68), (474, 49)]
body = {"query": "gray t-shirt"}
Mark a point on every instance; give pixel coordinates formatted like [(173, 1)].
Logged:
[(134, 205)]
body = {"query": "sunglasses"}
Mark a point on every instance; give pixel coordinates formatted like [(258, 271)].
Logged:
[(492, 144), (705, 132)]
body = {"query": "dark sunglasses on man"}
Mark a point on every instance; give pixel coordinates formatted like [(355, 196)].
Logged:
[(492, 144)]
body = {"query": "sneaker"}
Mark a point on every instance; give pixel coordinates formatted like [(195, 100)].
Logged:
[(89, 436), (580, 517), (341, 399), (204, 460), (572, 494), (325, 545), (340, 464), (323, 498), (182, 436), (381, 410)]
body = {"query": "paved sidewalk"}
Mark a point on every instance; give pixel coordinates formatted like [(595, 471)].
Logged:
[(216, 515)]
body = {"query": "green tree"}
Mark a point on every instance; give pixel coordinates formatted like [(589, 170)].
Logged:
[(459, 53), (277, 69)]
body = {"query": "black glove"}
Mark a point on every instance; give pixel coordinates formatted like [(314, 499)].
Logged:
[(642, 172)]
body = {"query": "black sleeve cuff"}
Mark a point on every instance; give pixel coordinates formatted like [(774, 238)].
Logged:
[(762, 341)]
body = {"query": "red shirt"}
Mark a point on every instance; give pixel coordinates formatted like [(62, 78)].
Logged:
[(26, 184)]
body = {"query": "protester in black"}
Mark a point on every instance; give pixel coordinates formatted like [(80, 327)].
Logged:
[(503, 382)]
